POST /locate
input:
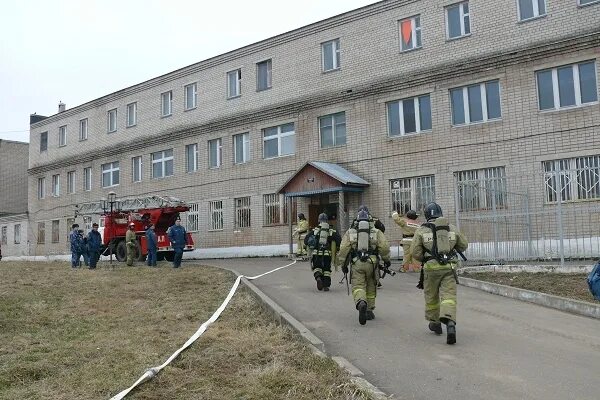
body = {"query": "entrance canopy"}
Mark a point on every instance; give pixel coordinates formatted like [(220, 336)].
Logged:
[(317, 177)]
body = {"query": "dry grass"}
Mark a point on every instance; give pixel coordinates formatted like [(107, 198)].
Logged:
[(89, 334)]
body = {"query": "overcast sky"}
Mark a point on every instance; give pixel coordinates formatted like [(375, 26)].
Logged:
[(76, 51)]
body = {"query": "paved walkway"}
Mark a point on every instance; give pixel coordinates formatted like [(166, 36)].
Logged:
[(506, 349)]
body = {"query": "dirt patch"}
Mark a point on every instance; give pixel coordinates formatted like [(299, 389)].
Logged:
[(572, 286), (80, 334)]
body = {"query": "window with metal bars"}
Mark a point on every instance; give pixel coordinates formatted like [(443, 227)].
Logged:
[(193, 218), (412, 193), (274, 213), (41, 233), (572, 179), (216, 215), (55, 231), (481, 189), (242, 212)]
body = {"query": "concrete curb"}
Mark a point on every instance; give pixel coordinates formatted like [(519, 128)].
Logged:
[(315, 344), (547, 300)]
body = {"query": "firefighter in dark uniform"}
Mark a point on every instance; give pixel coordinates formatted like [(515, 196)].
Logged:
[(324, 241)]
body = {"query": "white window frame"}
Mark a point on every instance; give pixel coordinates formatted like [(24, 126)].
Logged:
[(336, 55), (112, 121), (194, 147), (536, 10), (418, 190), (110, 168), (41, 233), (194, 87), (269, 64), (478, 182), (242, 212), (587, 4), (576, 86), (17, 234), (83, 129), (131, 118), (245, 137), (42, 135), (484, 110), (462, 20), (417, 106), (56, 185), (163, 161), (238, 84), (136, 165), (415, 31), (333, 130), (62, 136), (278, 137), (41, 188), (71, 182), (219, 155), (193, 218), (215, 215), (87, 179), (168, 101)]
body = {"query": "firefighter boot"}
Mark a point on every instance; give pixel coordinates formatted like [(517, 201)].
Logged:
[(451, 332), (361, 306), (319, 279), (435, 327), (370, 315)]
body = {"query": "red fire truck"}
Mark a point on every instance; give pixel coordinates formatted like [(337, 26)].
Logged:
[(161, 211)]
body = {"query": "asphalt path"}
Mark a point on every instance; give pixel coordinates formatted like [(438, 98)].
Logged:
[(506, 349)]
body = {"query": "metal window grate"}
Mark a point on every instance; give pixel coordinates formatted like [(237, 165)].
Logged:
[(412, 193), (193, 218), (481, 189), (242, 212), (216, 215)]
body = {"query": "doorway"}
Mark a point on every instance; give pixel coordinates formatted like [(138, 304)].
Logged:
[(331, 209)]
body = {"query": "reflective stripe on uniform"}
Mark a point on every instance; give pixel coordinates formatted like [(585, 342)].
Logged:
[(327, 273), (370, 296), (354, 291), (449, 301), (432, 306), (319, 270), (434, 266)]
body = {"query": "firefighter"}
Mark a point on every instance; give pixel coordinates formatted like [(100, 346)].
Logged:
[(436, 244), (178, 238), (94, 243), (375, 221), (131, 243), (300, 232), (408, 225), (324, 242), (151, 243), (364, 244), (76, 244)]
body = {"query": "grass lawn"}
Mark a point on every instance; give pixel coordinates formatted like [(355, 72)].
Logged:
[(84, 334), (573, 286)]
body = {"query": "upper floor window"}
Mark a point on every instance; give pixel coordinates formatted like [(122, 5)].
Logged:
[(410, 33), (481, 189), (234, 83), (83, 129), (330, 54), (190, 96), (166, 104), (110, 174), (62, 136), (567, 86), (279, 141), (572, 179), (263, 75), (215, 154), (241, 148), (191, 157), (131, 114), (586, 2), (87, 179), (162, 163), (332, 129), (407, 116), (412, 193), (529, 9), (136, 169), (41, 188), (43, 141), (71, 182), (476, 103), (112, 120), (55, 185), (458, 20)]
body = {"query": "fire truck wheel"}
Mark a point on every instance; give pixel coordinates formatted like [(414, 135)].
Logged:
[(121, 251), (169, 256), (160, 256)]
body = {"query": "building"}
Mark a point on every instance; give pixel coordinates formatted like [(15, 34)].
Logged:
[(467, 103)]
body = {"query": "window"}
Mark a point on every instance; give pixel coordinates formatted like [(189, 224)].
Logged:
[(131, 114), (62, 136), (162, 164), (87, 221), (17, 233), (112, 121), (576, 178), (166, 104), (330, 53), (216, 215), (43, 141), (273, 212), (87, 179), (71, 182), (567, 86), (586, 2), (476, 103), (410, 33), (412, 193), (136, 169), (193, 219), (41, 236), (110, 174), (4, 235), (234, 80), (55, 185), (55, 231), (263, 75), (41, 188), (83, 129), (68, 229), (191, 157), (407, 116), (529, 9), (458, 21), (332, 130), (241, 148), (242, 212), (191, 96), (279, 141), (481, 189), (214, 153)]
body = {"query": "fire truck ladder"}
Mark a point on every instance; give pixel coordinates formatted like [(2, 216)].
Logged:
[(132, 204)]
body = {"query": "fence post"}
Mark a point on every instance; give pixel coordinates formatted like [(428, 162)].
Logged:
[(495, 215), (528, 221), (559, 220), (290, 216)]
